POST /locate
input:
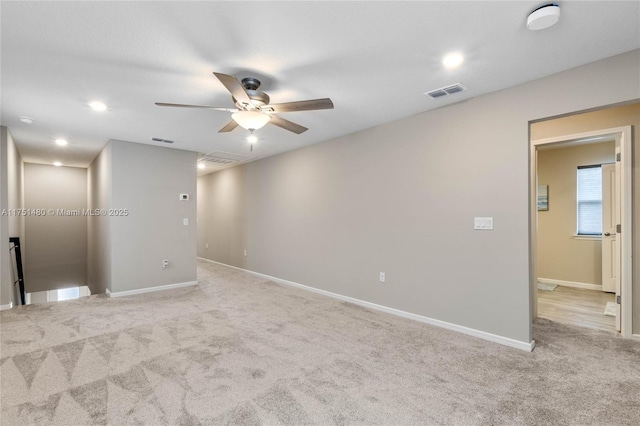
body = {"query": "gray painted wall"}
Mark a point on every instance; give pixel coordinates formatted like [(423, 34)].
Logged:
[(147, 181), (400, 198), (221, 221), (11, 197), (5, 260), (56, 243), (98, 229)]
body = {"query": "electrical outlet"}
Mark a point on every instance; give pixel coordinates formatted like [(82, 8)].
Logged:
[(245, 252), (165, 264), (383, 277), (206, 245)]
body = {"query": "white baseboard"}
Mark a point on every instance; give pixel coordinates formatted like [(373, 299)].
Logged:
[(438, 323), (571, 284), (6, 307), (150, 289)]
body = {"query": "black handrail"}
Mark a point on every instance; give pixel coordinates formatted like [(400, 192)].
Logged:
[(20, 281)]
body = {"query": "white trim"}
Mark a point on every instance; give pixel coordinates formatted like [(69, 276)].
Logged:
[(635, 336), (626, 220), (622, 136), (574, 284), (587, 237), (150, 289), (6, 307), (431, 321)]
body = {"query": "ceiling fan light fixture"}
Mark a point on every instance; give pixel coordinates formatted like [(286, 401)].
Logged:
[(250, 120)]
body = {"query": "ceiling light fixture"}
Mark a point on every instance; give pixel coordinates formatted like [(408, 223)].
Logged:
[(252, 138), (543, 17), (61, 142), (25, 119), (97, 106), (453, 60), (57, 164), (251, 120), (201, 166)]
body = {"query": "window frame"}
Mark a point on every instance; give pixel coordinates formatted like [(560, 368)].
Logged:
[(579, 203)]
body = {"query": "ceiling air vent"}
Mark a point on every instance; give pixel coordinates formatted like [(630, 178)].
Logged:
[(221, 157), (162, 140), (446, 91)]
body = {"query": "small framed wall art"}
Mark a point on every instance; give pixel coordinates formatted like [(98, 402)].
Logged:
[(543, 198)]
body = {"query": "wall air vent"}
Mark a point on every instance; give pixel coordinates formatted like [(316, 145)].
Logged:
[(221, 157), (162, 140), (446, 91)]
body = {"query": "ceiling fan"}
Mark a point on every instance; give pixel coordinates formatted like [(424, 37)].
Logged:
[(253, 110)]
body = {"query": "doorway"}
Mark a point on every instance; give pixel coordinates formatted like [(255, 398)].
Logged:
[(617, 245)]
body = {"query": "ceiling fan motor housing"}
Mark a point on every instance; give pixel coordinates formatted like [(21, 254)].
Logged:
[(251, 83)]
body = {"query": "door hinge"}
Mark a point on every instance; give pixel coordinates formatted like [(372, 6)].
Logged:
[(619, 228), (618, 156), (618, 300)]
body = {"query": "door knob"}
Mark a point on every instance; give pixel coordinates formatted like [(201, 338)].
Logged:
[(607, 234)]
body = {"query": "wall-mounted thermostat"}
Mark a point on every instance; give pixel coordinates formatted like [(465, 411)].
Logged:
[(184, 197)]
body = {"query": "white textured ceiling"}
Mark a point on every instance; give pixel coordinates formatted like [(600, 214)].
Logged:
[(373, 59)]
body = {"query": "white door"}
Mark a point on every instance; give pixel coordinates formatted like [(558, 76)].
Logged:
[(608, 228), (610, 240)]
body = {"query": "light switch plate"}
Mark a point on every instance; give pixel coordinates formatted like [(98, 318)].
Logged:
[(483, 223)]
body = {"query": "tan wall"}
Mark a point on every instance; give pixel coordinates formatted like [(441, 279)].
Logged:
[(603, 119), (56, 243), (560, 255), (400, 198)]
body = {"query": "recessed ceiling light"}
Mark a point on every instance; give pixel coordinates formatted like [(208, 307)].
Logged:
[(453, 60), (61, 142), (201, 166), (25, 119), (57, 164), (97, 106)]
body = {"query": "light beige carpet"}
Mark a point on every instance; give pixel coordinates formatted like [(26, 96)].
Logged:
[(240, 350)]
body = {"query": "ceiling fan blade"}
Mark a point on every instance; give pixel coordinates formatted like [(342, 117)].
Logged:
[(312, 104), (287, 125), (235, 88), (228, 127), (164, 104)]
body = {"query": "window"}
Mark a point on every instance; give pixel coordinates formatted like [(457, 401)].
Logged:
[(590, 200)]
